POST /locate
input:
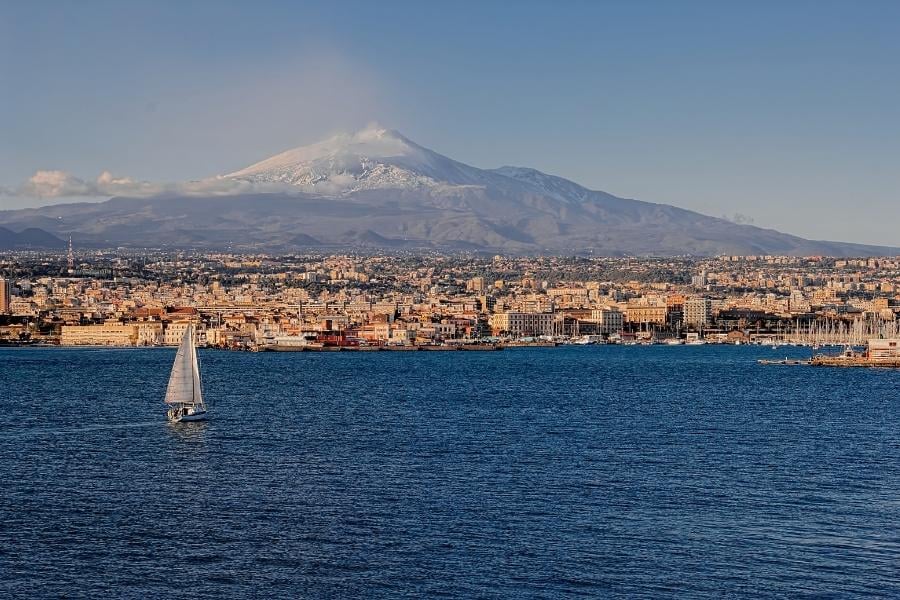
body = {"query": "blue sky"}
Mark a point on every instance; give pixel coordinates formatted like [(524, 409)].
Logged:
[(786, 112)]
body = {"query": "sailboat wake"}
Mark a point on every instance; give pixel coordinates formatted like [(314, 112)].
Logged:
[(45, 431)]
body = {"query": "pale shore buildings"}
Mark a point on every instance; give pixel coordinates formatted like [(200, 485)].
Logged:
[(249, 300), (609, 320), (520, 324), (105, 334)]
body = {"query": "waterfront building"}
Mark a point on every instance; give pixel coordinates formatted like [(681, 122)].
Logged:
[(105, 334), (646, 315), (609, 320), (884, 348), (522, 324), (173, 332), (697, 312), (149, 333)]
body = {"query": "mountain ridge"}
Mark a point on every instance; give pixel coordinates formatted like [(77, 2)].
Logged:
[(376, 188), (29, 238)]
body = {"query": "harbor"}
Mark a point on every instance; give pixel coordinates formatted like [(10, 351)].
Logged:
[(365, 348), (883, 353)]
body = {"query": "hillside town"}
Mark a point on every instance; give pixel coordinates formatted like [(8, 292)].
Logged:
[(381, 300)]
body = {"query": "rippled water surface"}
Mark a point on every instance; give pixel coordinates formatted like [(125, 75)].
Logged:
[(582, 471)]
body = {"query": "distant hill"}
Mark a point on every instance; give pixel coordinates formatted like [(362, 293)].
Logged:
[(376, 188), (28, 238)]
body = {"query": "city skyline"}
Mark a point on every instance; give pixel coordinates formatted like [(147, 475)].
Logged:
[(321, 302), (772, 113)]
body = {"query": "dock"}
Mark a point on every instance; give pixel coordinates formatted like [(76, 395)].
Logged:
[(786, 362), (409, 348), (855, 361)]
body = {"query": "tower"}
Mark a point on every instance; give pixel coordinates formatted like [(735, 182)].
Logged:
[(5, 294), (71, 257)]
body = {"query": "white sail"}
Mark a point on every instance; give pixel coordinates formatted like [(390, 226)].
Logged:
[(195, 373), (184, 381)]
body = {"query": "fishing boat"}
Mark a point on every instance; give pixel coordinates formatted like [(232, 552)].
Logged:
[(184, 394)]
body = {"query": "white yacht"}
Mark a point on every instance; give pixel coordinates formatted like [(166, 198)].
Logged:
[(184, 394)]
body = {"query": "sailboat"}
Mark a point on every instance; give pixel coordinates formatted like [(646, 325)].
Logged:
[(184, 395)]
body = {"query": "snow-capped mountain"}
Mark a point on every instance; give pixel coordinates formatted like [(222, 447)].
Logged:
[(377, 158), (377, 188), (373, 158)]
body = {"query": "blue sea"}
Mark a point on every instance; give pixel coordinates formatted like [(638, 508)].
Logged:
[(680, 472)]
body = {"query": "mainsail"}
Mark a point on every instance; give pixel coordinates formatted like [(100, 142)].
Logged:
[(184, 382)]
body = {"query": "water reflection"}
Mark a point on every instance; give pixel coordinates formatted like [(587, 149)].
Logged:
[(191, 432)]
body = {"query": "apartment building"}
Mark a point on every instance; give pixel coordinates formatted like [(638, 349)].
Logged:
[(522, 324), (697, 312)]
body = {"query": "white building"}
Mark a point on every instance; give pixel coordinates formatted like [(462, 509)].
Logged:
[(149, 333), (697, 312), (522, 324), (609, 320), (175, 331)]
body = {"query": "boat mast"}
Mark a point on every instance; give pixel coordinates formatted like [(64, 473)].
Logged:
[(190, 334)]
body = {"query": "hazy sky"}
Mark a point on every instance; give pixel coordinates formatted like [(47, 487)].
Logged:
[(787, 112)]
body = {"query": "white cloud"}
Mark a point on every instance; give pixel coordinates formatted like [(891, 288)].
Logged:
[(60, 184), (335, 184), (53, 184)]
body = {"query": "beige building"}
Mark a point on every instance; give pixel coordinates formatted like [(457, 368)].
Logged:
[(173, 333), (884, 349), (609, 320), (149, 333), (639, 313), (521, 324), (107, 334), (216, 336)]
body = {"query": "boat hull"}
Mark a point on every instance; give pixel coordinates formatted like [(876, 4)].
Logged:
[(198, 415)]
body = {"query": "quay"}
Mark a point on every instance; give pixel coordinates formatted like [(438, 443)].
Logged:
[(883, 353), (786, 361), (412, 348), (854, 361)]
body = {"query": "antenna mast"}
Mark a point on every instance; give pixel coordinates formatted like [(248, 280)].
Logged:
[(71, 257)]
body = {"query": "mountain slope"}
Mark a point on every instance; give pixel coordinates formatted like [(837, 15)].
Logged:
[(29, 238), (376, 188)]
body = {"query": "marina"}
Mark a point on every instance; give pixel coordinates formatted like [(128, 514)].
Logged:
[(878, 353), (421, 348)]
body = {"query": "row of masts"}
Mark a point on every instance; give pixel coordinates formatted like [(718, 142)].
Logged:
[(855, 332)]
